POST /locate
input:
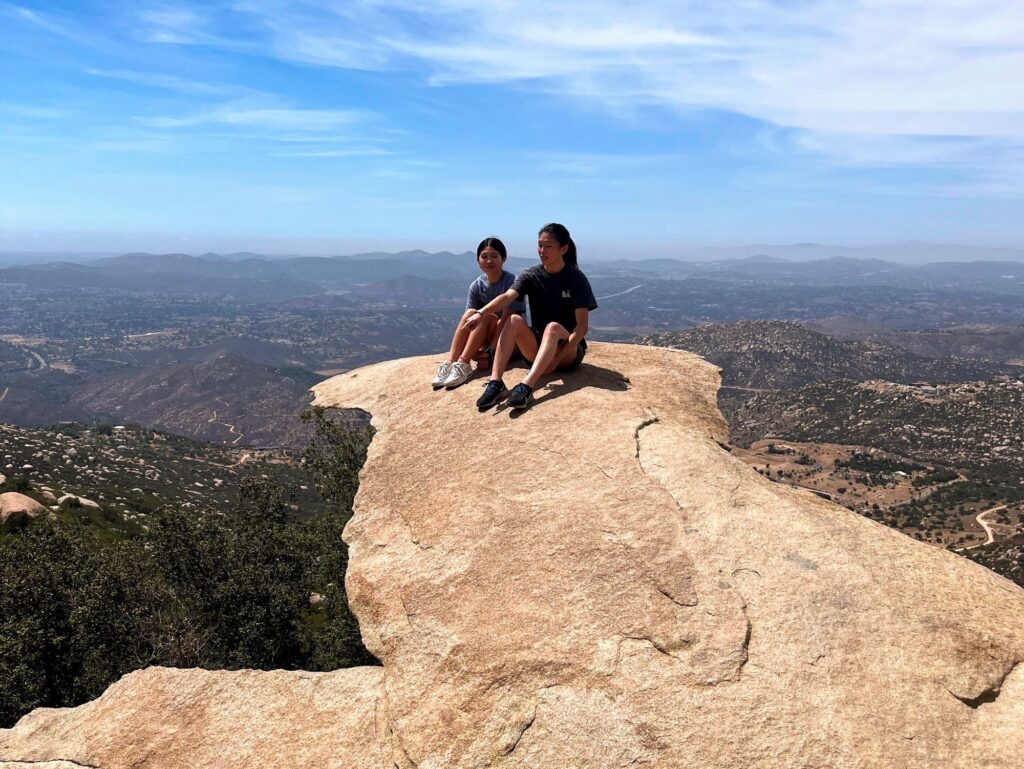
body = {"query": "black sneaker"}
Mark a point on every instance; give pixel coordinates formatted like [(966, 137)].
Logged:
[(521, 397), (493, 393)]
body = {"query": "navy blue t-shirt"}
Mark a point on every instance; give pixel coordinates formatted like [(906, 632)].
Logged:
[(482, 291), (555, 297)]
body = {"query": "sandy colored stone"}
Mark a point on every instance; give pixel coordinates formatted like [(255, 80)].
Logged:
[(75, 499), (598, 583), (15, 506), (183, 719)]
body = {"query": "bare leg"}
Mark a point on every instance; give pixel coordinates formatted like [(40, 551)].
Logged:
[(547, 355), (477, 337), (566, 356), (460, 337), (516, 333)]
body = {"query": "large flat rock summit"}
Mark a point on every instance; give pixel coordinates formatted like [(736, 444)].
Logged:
[(596, 583)]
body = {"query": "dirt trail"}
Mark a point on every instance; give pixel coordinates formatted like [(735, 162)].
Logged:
[(986, 525), (620, 293), (980, 518), (39, 358), (234, 431)]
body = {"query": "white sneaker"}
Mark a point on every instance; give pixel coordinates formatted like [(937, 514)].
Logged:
[(460, 373), (443, 370)]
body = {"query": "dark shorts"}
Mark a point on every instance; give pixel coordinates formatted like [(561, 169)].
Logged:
[(581, 351)]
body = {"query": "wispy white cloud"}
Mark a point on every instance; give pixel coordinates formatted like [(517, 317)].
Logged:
[(139, 145), (165, 81), (348, 152), (33, 112), (943, 69), (166, 23), (604, 165), (34, 18), (273, 119)]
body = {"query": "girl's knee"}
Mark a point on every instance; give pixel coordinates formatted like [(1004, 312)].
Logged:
[(556, 330), (515, 326)]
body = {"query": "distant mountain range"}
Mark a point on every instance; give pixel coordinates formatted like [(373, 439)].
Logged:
[(903, 253), (253, 278)]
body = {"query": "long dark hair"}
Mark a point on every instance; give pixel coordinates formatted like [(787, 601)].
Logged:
[(561, 234), (494, 243)]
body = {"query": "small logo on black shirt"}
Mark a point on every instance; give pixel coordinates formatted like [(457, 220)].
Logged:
[(566, 295)]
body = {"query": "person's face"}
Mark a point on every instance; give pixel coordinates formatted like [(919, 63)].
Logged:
[(490, 261), (550, 252)]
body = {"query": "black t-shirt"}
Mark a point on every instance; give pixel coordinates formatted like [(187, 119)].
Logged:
[(555, 297)]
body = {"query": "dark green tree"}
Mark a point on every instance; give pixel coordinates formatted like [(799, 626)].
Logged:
[(75, 615), (334, 457)]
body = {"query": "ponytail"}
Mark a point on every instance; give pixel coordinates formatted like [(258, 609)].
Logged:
[(561, 235)]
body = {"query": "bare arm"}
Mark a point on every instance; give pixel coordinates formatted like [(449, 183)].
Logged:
[(582, 326), (497, 304), (501, 323)]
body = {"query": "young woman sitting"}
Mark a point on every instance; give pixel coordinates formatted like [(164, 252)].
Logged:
[(560, 300), (469, 341)]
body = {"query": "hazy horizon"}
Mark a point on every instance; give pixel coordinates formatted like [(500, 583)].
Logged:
[(909, 253)]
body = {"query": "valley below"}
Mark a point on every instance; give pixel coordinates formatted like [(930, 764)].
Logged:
[(894, 391)]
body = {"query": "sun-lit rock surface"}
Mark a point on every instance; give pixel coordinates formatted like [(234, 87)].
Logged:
[(184, 719), (15, 507), (598, 583)]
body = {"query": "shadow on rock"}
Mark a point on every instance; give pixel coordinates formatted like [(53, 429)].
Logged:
[(564, 382)]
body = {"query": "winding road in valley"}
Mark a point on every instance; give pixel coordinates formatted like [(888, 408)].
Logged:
[(234, 431), (620, 293), (39, 358), (980, 518), (986, 525)]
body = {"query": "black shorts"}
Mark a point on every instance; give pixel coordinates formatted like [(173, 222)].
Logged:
[(581, 351)]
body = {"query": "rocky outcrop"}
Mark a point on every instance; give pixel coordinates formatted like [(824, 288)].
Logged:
[(15, 507), (598, 583), (76, 501), (182, 719)]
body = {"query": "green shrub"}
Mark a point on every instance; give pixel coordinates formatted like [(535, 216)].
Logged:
[(214, 589)]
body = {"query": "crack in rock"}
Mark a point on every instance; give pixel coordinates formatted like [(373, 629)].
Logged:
[(521, 729), (660, 645), (741, 652), (412, 534), (989, 694), (687, 603), (38, 761), (405, 607), (745, 647), (640, 428)]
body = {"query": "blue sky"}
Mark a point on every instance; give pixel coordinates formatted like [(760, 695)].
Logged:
[(325, 127)]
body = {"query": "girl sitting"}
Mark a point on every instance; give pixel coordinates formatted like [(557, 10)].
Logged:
[(469, 341)]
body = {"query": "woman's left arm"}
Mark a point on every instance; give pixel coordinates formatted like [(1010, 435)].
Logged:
[(582, 326)]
